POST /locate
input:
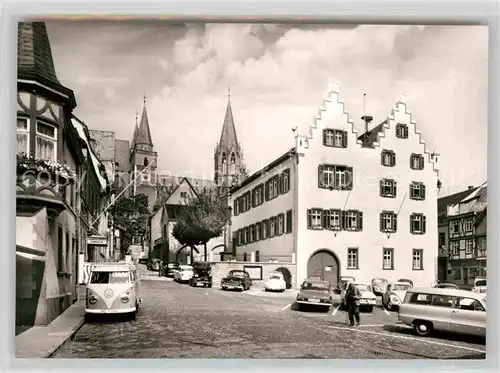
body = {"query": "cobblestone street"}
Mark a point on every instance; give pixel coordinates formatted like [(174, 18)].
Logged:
[(178, 321)]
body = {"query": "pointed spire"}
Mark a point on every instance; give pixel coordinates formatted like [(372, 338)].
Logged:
[(228, 138), (34, 58), (143, 134), (136, 128)]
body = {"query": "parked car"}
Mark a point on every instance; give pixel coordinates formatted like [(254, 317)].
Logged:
[(405, 280), (448, 310), (236, 279), (202, 274), (379, 285), (143, 257), (479, 285), (395, 295), (342, 283), (153, 264), (275, 282), (446, 285), (368, 298), (315, 292), (168, 269), (183, 273)]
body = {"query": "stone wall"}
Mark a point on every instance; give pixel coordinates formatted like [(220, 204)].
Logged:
[(221, 269)]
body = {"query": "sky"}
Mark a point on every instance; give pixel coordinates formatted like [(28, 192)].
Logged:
[(278, 75)]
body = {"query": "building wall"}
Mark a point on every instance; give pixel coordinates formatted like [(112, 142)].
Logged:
[(365, 197), (156, 226), (280, 247)]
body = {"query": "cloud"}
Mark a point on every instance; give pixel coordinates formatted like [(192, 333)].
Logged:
[(277, 74)]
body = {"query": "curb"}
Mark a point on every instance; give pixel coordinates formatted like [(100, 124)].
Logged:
[(49, 354)]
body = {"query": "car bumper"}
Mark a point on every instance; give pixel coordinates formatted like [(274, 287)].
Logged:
[(232, 287), (367, 302), (109, 311), (315, 303), (274, 288)]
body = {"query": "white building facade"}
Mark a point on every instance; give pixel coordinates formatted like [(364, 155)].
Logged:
[(361, 206)]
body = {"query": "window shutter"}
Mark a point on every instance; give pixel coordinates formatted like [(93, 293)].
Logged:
[(394, 188), (411, 160), (288, 180), (350, 178), (343, 216), (344, 139), (235, 207), (321, 168), (360, 221), (257, 256), (382, 157), (395, 222), (423, 191), (393, 159), (253, 197), (422, 162), (405, 130), (289, 221), (382, 187), (423, 224), (324, 137), (266, 190), (263, 193), (411, 225), (381, 222), (269, 222)]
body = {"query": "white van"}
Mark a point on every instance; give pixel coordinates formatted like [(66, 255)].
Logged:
[(448, 310), (114, 288)]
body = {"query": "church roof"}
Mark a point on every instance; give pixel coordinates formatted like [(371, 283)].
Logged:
[(143, 134), (34, 57), (228, 138)]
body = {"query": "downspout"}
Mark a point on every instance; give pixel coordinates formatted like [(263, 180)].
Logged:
[(295, 213)]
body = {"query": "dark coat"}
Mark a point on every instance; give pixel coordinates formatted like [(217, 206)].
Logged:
[(352, 294)]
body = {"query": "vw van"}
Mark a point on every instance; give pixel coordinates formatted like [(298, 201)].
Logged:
[(113, 288), (445, 310)]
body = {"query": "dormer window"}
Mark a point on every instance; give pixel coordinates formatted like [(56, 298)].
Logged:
[(417, 162), (335, 138), (401, 131)]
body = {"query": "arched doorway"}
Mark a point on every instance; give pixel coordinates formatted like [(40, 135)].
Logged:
[(324, 264), (287, 276)]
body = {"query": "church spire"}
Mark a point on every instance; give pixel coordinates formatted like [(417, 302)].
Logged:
[(143, 133), (228, 138)]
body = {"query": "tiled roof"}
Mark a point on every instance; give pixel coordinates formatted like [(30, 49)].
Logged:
[(34, 53), (34, 58), (371, 136), (452, 199), (197, 183)]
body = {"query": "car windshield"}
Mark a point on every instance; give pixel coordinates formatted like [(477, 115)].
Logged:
[(101, 277), (400, 287), (274, 277), (237, 274), (364, 287), (314, 286), (481, 283)]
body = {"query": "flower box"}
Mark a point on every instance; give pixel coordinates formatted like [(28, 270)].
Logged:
[(56, 172)]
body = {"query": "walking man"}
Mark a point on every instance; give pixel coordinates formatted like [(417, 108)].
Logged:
[(352, 298)]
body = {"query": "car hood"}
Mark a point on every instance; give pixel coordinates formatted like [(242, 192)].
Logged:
[(314, 294), (399, 293), (367, 294)]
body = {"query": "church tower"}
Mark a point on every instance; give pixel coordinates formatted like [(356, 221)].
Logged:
[(143, 156), (228, 156)]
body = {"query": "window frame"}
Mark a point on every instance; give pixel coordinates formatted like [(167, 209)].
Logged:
[(25, 132), (471, 241), (281, 224), (392, 157), (421, 258), (390, 251), (318, 212), (422, 223), (333, 170), (46, 138), (404, 128), (417, 185), (355, 251), (421, 161), (393, 218), (289, 222), (388, 183), (345, 219), (331, 133)]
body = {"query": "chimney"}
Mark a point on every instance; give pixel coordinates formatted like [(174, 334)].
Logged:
[(367, 119), (470, 187)]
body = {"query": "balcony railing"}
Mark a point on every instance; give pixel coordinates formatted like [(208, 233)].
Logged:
[(39, 184)]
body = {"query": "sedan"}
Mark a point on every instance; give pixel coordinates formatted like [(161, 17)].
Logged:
[(315, 292), (275, 282)]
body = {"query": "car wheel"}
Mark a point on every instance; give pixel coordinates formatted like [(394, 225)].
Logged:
[(423, 328), (370, 308)]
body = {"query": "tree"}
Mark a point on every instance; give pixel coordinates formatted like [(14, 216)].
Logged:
[(202, 218), (132, 214)]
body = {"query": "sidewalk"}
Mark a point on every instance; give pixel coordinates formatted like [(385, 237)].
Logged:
[(260, 292), (44, 341)]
